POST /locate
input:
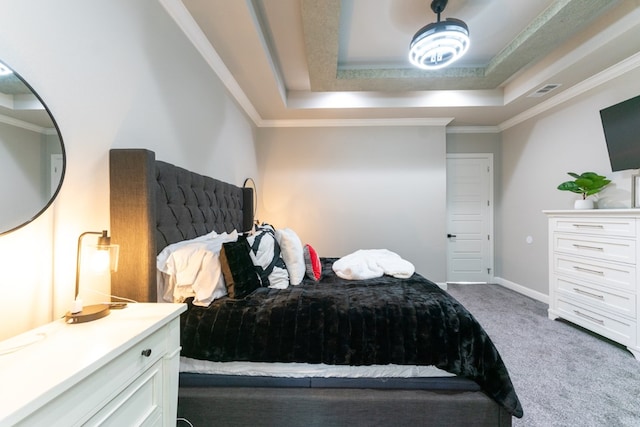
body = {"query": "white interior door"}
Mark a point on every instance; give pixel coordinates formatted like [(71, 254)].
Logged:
[(470, 218)]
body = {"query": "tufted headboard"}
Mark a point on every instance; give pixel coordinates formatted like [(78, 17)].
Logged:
[(154, 204)]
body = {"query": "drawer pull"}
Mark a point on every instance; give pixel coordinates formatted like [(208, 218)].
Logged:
[(588, 270), (598, 226), (146, 352), (585, 316), (593, 248), (589, 294)]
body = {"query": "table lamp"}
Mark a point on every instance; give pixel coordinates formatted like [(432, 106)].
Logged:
[(105, 258)]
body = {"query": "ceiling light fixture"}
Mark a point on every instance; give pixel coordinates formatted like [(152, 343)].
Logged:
[(441, 43)]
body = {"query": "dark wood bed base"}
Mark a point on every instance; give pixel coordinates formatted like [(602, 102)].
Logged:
[(154, 204)]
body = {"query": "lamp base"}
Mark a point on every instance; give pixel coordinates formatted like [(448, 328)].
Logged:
[(88, 314)]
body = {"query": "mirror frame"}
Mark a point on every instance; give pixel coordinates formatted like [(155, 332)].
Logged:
[(62, 149)]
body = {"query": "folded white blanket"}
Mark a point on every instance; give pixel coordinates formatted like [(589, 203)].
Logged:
[(369, 263)]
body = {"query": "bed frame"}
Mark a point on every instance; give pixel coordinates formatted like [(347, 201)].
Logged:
[(154, 204)]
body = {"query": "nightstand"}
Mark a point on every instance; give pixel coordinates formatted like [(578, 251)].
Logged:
[(118, 370)]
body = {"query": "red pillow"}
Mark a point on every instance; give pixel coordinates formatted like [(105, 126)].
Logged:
[(312, 263)]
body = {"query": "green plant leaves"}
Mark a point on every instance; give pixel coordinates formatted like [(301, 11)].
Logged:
[(569, 186), (587, 183)]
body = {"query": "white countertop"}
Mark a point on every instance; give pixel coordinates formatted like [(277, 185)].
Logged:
[(38, 365)]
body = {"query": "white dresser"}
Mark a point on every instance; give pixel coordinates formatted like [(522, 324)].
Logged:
[(593, 271), (116, 371)]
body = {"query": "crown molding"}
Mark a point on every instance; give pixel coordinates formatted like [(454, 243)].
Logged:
[(355, 122), (473, 129), (177, 10), (179, 13), (24, 125), (596, 80)]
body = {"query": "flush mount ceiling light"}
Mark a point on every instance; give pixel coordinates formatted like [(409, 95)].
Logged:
[(441, 43)]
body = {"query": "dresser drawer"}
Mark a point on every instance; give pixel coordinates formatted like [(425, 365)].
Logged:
[(593, 277), (601, 248), (105, 384), (624, 227), (618, 329), (617, 302), (608, 274), (140, 404)]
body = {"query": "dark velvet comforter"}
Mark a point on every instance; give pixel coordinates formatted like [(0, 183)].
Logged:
[(377, 321)]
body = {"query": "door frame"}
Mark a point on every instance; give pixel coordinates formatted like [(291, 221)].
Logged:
[(491, 250)]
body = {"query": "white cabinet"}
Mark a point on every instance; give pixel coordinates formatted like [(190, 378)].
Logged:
[(115, 371), (593, 271)]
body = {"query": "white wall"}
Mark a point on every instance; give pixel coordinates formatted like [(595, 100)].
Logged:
[(537, 155), (114, 73), (348, 188)]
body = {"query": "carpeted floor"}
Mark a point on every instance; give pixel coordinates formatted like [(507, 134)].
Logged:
[(564, 375)]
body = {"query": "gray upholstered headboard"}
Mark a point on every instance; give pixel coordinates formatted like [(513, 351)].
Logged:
[(154, 204)]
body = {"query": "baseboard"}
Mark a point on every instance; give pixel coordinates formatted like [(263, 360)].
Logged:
[(522, 290)]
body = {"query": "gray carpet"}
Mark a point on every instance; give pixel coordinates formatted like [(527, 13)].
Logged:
[(564, 375)]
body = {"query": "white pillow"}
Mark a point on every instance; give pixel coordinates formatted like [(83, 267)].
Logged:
[(192, 268), (265, 254), (162, 257), (292, 254)]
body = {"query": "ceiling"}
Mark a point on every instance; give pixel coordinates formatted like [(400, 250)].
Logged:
[(309, 62)]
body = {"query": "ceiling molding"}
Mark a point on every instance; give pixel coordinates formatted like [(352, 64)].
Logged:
[(182, 17), (552, 27), (424, 99), (187, 24), (356, 122), (23, 125), (262, 30), (321, 23), (473, 129), (605, 76)]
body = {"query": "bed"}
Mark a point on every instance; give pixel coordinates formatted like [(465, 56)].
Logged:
[(408, 323)]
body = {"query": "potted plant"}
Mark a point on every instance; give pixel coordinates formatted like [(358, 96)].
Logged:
[(587, 184)]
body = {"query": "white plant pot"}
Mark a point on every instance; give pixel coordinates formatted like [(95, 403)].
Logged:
[(583, 204)]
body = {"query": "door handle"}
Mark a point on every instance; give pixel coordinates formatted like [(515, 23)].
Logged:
[(451, 235)]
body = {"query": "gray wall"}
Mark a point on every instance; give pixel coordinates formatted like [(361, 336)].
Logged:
[(114, 73), (537, 155), (348, 188)]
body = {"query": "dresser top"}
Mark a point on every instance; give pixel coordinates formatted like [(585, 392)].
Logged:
[(44, 362), (593, 212)]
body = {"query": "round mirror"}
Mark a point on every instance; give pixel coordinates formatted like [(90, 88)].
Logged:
[(32, 156)]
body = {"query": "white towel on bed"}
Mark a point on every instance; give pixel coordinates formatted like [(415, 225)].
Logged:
[(369, 263)]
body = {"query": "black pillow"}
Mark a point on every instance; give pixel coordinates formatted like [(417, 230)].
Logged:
[(240, 274)]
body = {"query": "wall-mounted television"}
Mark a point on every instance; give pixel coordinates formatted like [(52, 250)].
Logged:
[(621, 124)]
